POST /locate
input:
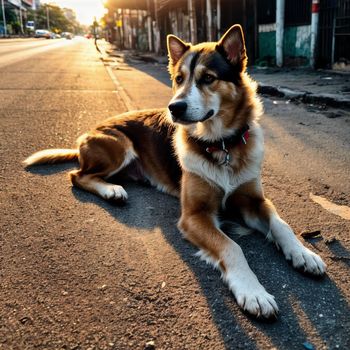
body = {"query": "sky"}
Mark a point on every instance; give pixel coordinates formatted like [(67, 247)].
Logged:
[(85, 9)]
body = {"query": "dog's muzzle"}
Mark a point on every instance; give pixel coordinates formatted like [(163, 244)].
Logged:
[(178, 113)]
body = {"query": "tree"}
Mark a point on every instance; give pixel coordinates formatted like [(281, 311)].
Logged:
[(57, 20)]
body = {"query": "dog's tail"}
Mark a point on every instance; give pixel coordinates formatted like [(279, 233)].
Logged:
[(51, 156)]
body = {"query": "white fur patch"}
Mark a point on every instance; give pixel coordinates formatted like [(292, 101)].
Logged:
[(210, 130), (196, 109), (249, 293), (203, 255), (109, 191), (293, 249)]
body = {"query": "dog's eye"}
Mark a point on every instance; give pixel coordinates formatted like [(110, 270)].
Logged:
[(208, 78), (179, 79)]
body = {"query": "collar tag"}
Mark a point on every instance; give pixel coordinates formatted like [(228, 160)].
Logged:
[(222, 149), (245, 137), (227, 154)]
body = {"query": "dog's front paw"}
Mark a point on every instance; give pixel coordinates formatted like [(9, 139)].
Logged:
[(252, 297), (303, 258), (258, 303)]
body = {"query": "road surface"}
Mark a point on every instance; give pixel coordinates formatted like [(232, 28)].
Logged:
[(78, 273)]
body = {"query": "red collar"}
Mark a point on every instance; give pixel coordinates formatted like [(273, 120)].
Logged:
[(239, 138)]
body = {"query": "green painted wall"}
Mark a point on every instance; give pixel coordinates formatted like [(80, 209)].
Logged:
[(267, 44), (296, 42)]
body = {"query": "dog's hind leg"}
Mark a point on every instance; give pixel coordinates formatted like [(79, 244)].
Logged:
[(100, 157), (95, 184)]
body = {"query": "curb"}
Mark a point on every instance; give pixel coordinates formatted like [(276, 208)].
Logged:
[(304, 96)]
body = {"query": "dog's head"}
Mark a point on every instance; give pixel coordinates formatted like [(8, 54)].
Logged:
[(206, 76)]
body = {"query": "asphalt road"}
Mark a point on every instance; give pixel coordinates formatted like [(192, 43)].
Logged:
[(78, 273)]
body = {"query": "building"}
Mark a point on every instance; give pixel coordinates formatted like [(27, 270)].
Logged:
[(332, 42), (13, 15), (145, 23), (334, 33), (296, 32), (278, 32)]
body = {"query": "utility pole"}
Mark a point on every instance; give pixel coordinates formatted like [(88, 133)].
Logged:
[(209, 21), (21, 18), (256, 32), (314, 29), (149, 26), (244, 24), (218, 18), (156, 28), (3, 17), (48, 16), (279, 32), (192, 17), (123, 29)]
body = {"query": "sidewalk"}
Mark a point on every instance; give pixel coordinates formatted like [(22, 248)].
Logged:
[(323, 87), (306, 85)]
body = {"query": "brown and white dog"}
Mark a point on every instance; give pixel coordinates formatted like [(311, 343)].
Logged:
[(207, 148)]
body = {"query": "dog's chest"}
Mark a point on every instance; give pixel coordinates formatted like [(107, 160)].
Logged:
[(223, 176), (228, 177)]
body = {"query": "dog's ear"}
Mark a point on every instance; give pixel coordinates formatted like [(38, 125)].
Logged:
[(232, 46), (176, 48)]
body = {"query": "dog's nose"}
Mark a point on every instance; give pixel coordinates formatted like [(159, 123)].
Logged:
[(178, 109)]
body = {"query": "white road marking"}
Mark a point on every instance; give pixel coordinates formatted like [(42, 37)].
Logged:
[(341, 210), (130, 106)]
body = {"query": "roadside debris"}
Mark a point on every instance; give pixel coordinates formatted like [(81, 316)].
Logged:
[(330, 240), (311, 234), (26, 320), (340, 258), (308, 346), (150, 345)]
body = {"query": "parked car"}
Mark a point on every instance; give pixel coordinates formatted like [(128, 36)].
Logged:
[(42, 33), (54, 35), (67, 35)]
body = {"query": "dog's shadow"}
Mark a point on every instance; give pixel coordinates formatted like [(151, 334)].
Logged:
[(307, 306), (44, 170)]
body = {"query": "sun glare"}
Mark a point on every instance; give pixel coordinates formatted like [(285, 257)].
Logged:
[(85, 10)]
